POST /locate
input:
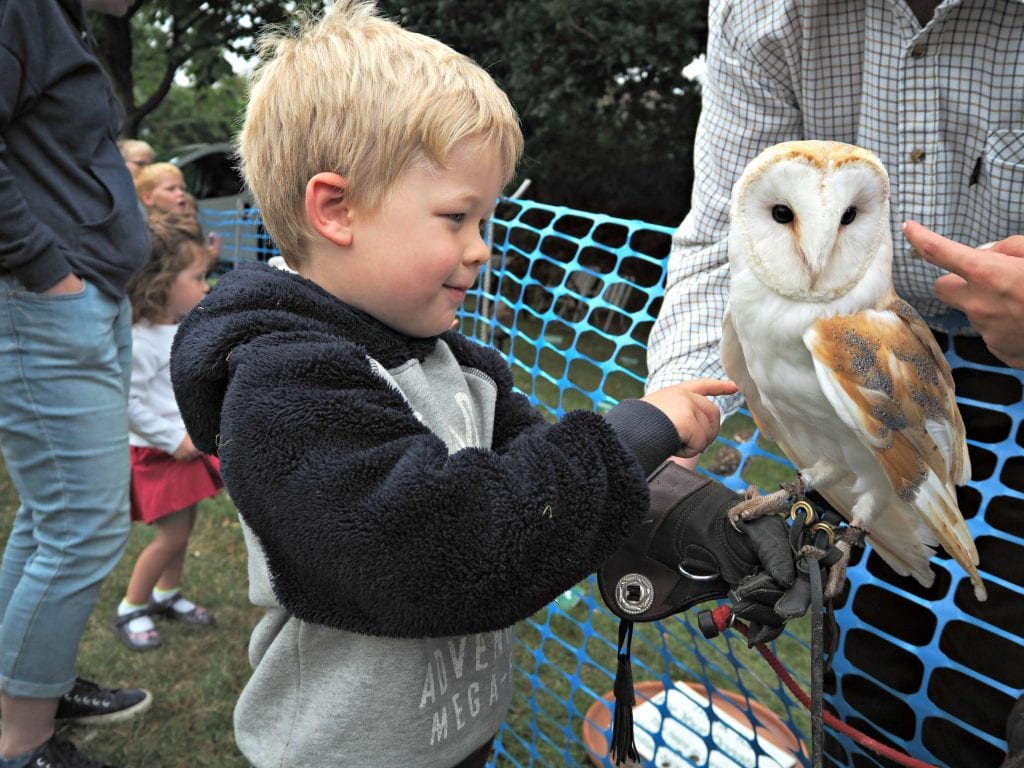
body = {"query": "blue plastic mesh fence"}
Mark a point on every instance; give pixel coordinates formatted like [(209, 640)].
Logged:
[(242, 237), (570, 297)]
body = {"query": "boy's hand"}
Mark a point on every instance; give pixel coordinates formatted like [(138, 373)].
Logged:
[(213, 243), (696, 418), (986, 284), (186, 450), (70, 283)]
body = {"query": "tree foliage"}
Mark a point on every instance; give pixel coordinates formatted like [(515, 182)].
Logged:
[(608, 117), (156, 40), (192, 115)]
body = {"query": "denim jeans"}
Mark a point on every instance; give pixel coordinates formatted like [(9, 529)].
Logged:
[(65, 369)]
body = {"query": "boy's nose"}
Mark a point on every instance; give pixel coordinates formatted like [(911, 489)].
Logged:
[(479, 250)]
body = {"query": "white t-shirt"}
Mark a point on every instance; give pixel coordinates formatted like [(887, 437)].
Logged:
[(153, 417)]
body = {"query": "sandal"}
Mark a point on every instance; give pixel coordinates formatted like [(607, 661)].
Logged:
[(147, 640), (196, 615)]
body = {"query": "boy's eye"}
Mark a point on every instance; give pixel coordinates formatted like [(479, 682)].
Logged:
[(458, 218)]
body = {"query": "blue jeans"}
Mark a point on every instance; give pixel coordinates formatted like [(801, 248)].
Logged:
[(65, 369)]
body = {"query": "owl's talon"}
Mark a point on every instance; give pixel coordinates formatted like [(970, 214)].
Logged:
[(836, 577), (758, 505), (850, 537)]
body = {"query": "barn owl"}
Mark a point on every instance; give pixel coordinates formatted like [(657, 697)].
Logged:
[(835, 367)]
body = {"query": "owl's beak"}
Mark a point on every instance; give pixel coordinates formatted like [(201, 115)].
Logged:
[(816, 254)]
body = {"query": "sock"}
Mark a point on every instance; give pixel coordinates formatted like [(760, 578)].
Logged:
[(141, 624), (181, 605), (20, 761)]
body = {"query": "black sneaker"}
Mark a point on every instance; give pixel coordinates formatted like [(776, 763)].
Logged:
[(89, 704), (58, 753), (1015, 736)]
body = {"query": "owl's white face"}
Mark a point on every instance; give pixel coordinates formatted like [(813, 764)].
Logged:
[(810, 217)]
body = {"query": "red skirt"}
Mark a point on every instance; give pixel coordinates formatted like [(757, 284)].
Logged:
[(161, 484)]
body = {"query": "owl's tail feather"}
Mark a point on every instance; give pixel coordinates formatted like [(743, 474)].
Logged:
[(894, 534), (917, 566), (937, 502)]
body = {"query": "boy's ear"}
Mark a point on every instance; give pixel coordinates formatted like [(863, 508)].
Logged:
[(328, 209)]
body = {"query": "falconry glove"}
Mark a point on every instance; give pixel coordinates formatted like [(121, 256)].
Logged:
[(686, 551)]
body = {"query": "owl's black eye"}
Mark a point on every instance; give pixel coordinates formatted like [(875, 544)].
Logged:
[(782, 214), (848, 215)]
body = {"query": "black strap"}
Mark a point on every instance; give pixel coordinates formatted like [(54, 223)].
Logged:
[(623, 742), (817, 662)]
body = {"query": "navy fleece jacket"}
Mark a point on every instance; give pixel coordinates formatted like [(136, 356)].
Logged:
[(352, 497)]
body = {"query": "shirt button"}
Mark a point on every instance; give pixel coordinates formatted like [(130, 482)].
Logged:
[(919, 50), (917, 156)]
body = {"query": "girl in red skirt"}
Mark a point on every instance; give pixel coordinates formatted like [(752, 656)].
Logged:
[(169, 476)]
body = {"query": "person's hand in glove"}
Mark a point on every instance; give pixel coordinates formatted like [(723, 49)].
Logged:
[(686, 552)]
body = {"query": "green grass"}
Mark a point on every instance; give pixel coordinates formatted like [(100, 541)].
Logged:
[(196, 676)]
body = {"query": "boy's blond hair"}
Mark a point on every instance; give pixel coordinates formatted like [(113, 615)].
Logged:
[(356, 94), (149, 177)]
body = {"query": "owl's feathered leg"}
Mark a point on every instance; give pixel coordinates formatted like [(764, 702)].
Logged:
[(758, 505)]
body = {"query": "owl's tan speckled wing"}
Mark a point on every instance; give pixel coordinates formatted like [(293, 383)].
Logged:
[(888, 381)]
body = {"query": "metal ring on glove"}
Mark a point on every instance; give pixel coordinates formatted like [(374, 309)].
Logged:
[(810, 517), (828, 530), (696, 577)]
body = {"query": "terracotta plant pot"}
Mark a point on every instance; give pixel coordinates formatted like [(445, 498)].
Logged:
[(770, 728)]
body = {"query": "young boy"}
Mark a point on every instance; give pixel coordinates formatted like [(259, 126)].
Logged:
[(403, 507), (161, 189)]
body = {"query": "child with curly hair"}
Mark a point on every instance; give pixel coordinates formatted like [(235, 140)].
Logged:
[(169, 475)]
